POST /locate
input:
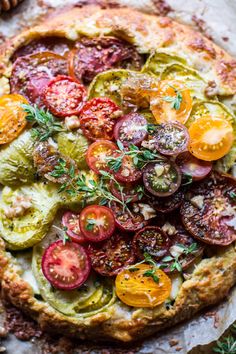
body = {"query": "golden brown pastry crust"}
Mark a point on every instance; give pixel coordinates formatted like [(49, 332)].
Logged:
[(212, 278)]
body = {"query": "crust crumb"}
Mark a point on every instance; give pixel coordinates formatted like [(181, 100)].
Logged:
[(173, 342)]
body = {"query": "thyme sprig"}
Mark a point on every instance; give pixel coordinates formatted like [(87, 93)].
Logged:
[(174, 100), (150, 272), (47, 125), (176, 264), (227, 345)]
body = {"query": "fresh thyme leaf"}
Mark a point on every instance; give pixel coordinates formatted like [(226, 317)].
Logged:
[(114, 163), (90, 224), (187, 250), (133, 269), (120, 145), (226, 346), (152, 128), (187, 179), (66, 238), (167, 259), (151, 273), (232, 195), (174, 100), (47, 125)]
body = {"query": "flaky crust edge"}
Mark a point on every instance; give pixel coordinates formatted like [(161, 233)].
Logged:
[(213, 277)]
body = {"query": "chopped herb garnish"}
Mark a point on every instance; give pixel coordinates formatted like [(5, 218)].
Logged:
[(232, 195), (47, 125), (187, 179), (133, 269), (176, 264), (174, 100), (151, 273), (90, 224)]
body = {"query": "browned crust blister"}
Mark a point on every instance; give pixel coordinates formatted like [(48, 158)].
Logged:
[(213, 277)]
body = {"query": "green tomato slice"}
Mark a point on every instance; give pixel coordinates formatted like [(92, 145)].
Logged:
[(158, 61), (189, 77), (94, 296), (17, 162), (217, 109), (73, 145), (108, 84), (23, 230)]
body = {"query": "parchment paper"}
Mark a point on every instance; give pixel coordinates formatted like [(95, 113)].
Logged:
[(217, 19)]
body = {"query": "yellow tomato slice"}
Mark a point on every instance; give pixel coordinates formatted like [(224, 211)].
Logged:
[(137, 290), (172, 102), (12, 117), (210, 138)]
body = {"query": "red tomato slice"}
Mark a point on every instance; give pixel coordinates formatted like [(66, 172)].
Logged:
[(191, 166), (97, 154), (128, 221), (97, 223), (129, 191), (113, 255), (98, 118), (64, 96), (131, 129), (70, 221), (66, 265), (128, 172)]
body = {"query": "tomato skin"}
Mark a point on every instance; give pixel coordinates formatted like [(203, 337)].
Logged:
[(137, 290), (97, 153), (208, 210), (163, 111), (131, 129), (166, 204), (152, 240), (171, 138), (66, 266), (110, 257), (162, 178), (103, 223), (210, 138), (128, 191), (128, 172), (70, 221), (190, 165), (64, 96), (97, 118), (124, 221), (12, 117)]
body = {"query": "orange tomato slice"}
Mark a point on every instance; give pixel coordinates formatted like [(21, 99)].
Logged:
[(137, 290), (210, 138), (172, 102), (12, 117)]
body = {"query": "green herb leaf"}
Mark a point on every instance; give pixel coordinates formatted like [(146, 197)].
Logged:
[(90, 224)]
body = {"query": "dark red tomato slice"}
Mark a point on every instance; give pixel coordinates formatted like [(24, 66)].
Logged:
[(182, 246), (70, 221), (97, 223), (131, 129), (64, 97), (66, 265), (151, 240), (191, 166), (97, 154), (128, 172), (166, 204), (209, 212), (56, 45), (98, 118), (31, 74), (110, 257), (126, 191), (93, 56), (171, 138), (132, 220), (161, 178)]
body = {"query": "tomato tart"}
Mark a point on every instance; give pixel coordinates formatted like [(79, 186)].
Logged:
[(117, 150)]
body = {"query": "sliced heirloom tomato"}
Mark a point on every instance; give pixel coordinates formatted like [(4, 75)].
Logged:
[(98, 118), (128, 172), (70, 221), (171, 138), (152, 240), (210, 138), (126, 191), (31, 74), (12, 117), (128, 220), (110, 257), (97, 153), (64, 96), (95, 55), (183, 247), (66, 265), (193, 167), (172, 102), (131, 129), (209, 212), (97, 223), (135, 288), (161, 178), (166, 204)]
